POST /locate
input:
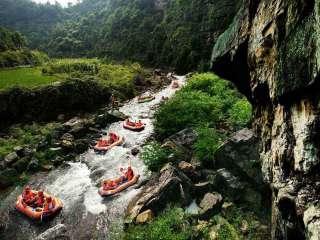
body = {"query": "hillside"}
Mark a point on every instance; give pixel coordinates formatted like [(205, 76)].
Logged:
[(169, 33)]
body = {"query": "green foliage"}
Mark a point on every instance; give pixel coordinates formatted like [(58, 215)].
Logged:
[(207, 143), (205, 100), (154, 156), (171, 33), (72, 66), (14, 58), (120, 77), (240, 113), (170, 225), (23, 135), (25, 77), (10, 40), (233, 220)]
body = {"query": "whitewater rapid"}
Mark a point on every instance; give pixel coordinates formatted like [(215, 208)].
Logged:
[(86, 214)]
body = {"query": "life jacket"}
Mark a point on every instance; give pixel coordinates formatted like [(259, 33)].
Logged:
[(129, 174), (48, 206), (40, 201), (28, 197)]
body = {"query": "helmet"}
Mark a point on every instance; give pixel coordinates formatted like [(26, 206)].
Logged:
[(40, 193), (49, 199)]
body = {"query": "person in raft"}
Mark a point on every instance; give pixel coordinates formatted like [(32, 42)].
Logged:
[(48, 205), (126, 176), (28, 196), (39, 199), (112, 138)]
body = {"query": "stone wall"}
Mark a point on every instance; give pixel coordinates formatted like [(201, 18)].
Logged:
[(46, 103), (271, 52)]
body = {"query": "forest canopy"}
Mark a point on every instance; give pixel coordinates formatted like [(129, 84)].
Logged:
[(158, 33)]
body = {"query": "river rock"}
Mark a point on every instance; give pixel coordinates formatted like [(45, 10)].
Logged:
[(19, 150), (116, 115), (168, 186), (11, 158), (21, 165), (185, 138), (56, 232), (135, 151), (81, 145), (186, 167), (8, 177), (33, 165), (202, 187), (210, 205), (229, 184), (67, 141), (145, 217), (240, 155)]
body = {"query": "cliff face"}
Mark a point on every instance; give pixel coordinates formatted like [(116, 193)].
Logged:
[(272, 53)]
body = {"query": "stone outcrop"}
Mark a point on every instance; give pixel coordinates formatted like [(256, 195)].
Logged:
[(169, 186), (271, 52)]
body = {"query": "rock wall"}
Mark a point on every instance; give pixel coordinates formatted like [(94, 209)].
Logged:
[(271, 52), (46, 103)]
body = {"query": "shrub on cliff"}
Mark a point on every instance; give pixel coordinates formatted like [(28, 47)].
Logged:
[(209, 104), (153, 156), (206, 99), (171, 224)]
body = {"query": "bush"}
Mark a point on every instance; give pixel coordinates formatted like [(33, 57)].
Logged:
[(154, 156), (207, 143), (205, 100), (71, 66), (14, 58), (240, 113), (170, 225)]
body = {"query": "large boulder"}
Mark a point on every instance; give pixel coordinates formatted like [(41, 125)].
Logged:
[(240, 155), (145, 217), (11, 158), (210, 205), (271, 53), (185, 138), (8, 177), (57, 232), (21, 165), (168, 186)]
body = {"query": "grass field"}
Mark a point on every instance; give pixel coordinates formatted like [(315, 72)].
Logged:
[(24, 77)]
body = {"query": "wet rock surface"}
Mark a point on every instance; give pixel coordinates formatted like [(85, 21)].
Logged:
[(171, 185), (271, 52)]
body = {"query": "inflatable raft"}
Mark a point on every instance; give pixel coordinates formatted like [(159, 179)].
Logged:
[(175, 84), (120, 188), (105, 145), (133, 126), (38, 213), (145, 99)]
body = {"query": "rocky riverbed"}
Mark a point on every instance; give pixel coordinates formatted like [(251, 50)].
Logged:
[(86, 215)]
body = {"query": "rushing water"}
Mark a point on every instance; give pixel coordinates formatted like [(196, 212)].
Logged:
[(86, 214)]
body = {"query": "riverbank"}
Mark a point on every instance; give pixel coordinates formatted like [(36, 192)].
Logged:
[(76, 183)]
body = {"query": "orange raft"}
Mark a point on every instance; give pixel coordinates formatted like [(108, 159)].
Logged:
[(145, 99), (105, 145), (38, 213), (133, 126), (120, 188), (175, 84)]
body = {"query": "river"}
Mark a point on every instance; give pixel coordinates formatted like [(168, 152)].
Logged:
[(86, 214)]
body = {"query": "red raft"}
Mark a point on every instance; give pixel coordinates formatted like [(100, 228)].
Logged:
[(175, 84), (106, 144), (133, 126), (119, 188), (38, 213)]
